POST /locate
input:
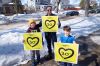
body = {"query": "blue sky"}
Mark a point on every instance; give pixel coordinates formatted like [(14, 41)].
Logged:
[(71, 1), (24, 1), (74, 1)]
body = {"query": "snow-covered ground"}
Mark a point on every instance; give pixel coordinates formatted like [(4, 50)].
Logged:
[(20, 17), (83, 25), (35, 16), (4, 19), (25, 17), (11, 45)]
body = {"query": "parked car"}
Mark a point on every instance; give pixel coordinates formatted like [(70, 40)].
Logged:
[(68, 13), (73, 13), (98, 11), (92, 11)]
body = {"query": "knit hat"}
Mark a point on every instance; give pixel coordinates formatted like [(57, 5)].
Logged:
[(30, 21)]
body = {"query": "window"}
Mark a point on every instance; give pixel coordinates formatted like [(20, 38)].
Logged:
[(0, 1)]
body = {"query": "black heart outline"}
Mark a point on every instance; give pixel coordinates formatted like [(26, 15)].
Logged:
[(50, 21), (66, 50), (32, 39)]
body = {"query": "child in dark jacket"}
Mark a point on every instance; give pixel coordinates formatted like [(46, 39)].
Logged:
[(33, 27)]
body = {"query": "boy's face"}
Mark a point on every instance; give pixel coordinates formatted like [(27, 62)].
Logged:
[(32, 25), (66, 32)]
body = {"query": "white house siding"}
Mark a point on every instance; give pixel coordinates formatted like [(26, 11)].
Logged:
[(63, 3)]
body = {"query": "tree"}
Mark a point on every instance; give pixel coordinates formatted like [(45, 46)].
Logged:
[(57, 5), (18, 6), (82, 4), (87, 3), (95, 6)]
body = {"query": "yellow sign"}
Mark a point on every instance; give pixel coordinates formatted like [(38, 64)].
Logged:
[(50, 23), (66, 52), (33, 41)]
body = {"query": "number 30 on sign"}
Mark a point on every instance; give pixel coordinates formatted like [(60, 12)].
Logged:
[(50, 23), (66, 52)]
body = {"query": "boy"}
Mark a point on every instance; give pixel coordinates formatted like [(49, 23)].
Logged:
[(33, 27), (67, 38)]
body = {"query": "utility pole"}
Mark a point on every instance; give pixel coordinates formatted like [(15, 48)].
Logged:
[(87, 3), (57, 6)]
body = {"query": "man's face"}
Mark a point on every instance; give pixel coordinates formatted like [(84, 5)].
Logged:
[(49, 10)]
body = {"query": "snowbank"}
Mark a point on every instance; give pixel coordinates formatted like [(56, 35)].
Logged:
[(11, 47), (4, 19), (82, 12), (25, 17), (20, 17)]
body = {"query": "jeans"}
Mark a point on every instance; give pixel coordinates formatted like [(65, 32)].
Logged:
[(37, 54), (66, 64), (50, 38)]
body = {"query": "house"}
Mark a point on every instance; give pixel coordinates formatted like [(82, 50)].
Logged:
[(45, 2), (9, 7), (2, 2), (63, 4), (33, 4), (43, 7), (38, 5)]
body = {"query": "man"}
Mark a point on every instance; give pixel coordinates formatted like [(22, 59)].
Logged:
[(51, 37)]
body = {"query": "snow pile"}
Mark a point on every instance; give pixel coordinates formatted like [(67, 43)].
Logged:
[(60, 14), (4, 19), (81, 12), (20, 17), (26, 17), (11, 47)]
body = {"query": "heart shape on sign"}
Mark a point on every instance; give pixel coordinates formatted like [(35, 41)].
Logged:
[(50, 23), (32, 41), (66, 53)]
